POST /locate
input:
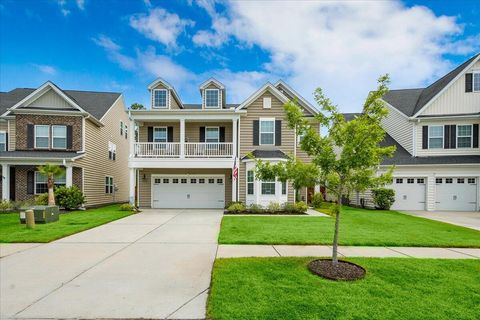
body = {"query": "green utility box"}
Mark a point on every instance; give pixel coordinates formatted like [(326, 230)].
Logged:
[(43, 214)]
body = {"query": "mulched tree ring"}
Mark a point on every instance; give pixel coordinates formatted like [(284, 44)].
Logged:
[(343, 271)]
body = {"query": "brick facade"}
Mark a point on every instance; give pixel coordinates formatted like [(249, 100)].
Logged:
[(22, 120)]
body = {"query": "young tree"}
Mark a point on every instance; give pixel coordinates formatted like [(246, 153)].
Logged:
[(349, 155), (50, 171), (137, 106)]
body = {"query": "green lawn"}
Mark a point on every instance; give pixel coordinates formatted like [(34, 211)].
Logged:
[(401, 288), (358, 227), (12, 231)]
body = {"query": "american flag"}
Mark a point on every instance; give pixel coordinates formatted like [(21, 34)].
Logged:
[(235, 169)]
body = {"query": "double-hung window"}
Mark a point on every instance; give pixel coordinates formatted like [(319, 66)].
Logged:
[(59, 137), (284, 188), (112, 151), (268, 187), (476, 81), (42, 136), (267, 131), (121, 128), (108, 185), (160, 134), (435, 137), (41, 185), (212, 134), (3, 141), (160, 98), (464, 136), (212, 98), (250, 182)]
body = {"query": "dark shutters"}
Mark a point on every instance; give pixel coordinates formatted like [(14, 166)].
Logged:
[(424, 137), (468, 82), (475, 135), (30, 182), (69, 137), (30, 136), (256, 133), (150, 134), (6, 141), (202, 134), (278, 132), (169, 134), (221, 134), (453, 136), (446, 137)]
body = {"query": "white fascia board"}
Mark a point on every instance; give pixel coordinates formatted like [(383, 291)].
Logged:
[(176, 115), (176, 163), (157, 81), (212, 80), (451, 116), (268, 86), (264, 159), (394, 109), (446, 87), (110, 108), (307, 104)]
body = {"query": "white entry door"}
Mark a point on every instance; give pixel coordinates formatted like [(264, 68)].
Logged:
[(183, 191), (456, 194), (409, 193)]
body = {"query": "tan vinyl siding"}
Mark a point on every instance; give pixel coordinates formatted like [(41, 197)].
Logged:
[(255, 111), (455, 100), (302, 155), (96, 163), (145, 185), (143, 130), (398, 126), (192, 130), (51, 99)]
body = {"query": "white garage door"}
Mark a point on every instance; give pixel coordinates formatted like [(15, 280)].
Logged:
[(409, 193), (456, 194), (182, 191)]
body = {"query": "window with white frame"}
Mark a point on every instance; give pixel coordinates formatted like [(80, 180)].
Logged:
[(121, 128), (160, 134), (160, 98), (284, 188), (108, 185), (268, 187), (435, 137), (112, 151), (267, 131), (250, 182), (3, 141), (59, 137), (212, 97), (42, 136), (212, 134), (464, 136), (41, 179), (476, 81), (126, 131)]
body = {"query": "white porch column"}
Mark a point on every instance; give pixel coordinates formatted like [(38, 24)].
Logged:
[(131, 189), (234, 138), (182, 138), (5, 182), (132, 138), (69, 176)]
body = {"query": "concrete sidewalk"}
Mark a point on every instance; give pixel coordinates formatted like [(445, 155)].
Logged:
[(236, 251)]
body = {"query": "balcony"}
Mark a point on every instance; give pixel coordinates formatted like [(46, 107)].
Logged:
[(187, 150)]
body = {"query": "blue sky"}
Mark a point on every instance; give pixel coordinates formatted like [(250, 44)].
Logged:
[(340, 46)]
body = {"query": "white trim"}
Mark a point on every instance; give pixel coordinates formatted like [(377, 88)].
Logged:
[(458, 136), (112, 185), (447, 87), (477, 73), (83, 134), (35, 136), (218, 134), (166, 99), (212, 80), (260, 131), (437, 137), (6, 140), (267, 102), (268, 86), (179, 163), (166, 134), (292, 92), (168, 86), (53, 136), (218, 99), (394, 109), (114, 103)]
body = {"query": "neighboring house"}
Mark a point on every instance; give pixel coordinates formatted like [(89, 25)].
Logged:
[(85, 132), (185, 155), (436, 132)]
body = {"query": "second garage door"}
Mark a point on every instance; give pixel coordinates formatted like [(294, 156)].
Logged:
[(456, 194), (188, 191), (409, 193)]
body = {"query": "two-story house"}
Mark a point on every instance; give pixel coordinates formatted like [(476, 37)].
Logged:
[(196, 155), (84, 132), (435, 130)]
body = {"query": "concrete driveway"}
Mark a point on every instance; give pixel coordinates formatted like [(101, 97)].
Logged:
[(460, 218), (154, 265)]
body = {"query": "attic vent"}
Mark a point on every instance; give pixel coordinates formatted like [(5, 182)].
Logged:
[(267, 102)]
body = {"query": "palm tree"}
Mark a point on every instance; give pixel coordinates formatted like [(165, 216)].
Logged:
[(50, 170)]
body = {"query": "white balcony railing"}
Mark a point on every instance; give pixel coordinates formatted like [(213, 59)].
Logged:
[(191, 149)]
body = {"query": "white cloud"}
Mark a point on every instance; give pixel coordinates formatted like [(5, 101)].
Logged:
[(47, 69), (340, 46), (80, 4), (65, 12), (160, 25), (114, 52)]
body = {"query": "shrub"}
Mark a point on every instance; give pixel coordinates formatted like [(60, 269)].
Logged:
[(255, 208), (42, 199), (236, 207), (127, 207), (21, 204), (5, 205), (383, 198), (301, 207), (229, 203), (289, 207), (317, 200), (274, 207), (69, 197)]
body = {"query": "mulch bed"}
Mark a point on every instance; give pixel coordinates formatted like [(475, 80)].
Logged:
[(343, 271), (264, 212)]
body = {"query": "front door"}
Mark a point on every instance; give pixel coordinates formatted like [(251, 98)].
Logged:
[(310, 192)]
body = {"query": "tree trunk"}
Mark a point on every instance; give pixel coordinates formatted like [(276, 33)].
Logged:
[(338, 208), (51, 195)]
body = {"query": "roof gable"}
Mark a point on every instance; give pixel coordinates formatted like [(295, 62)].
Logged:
[(168, 86), (266, 87), (291, 93), (217, 83)]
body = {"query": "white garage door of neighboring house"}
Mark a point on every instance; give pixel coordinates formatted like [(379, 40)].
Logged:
[(181, 191), (456, 194), (409, 193)]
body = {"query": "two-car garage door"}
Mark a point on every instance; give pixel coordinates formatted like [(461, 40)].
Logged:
[(451, 193), (182, 191)]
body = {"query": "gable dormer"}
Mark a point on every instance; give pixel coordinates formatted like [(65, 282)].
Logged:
[(213, 94), (163, 96)]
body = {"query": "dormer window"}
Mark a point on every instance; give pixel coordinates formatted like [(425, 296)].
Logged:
[(212, 98), (160, 98)]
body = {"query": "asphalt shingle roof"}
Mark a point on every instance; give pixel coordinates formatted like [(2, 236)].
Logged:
[(268, 154), (39, 154)]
